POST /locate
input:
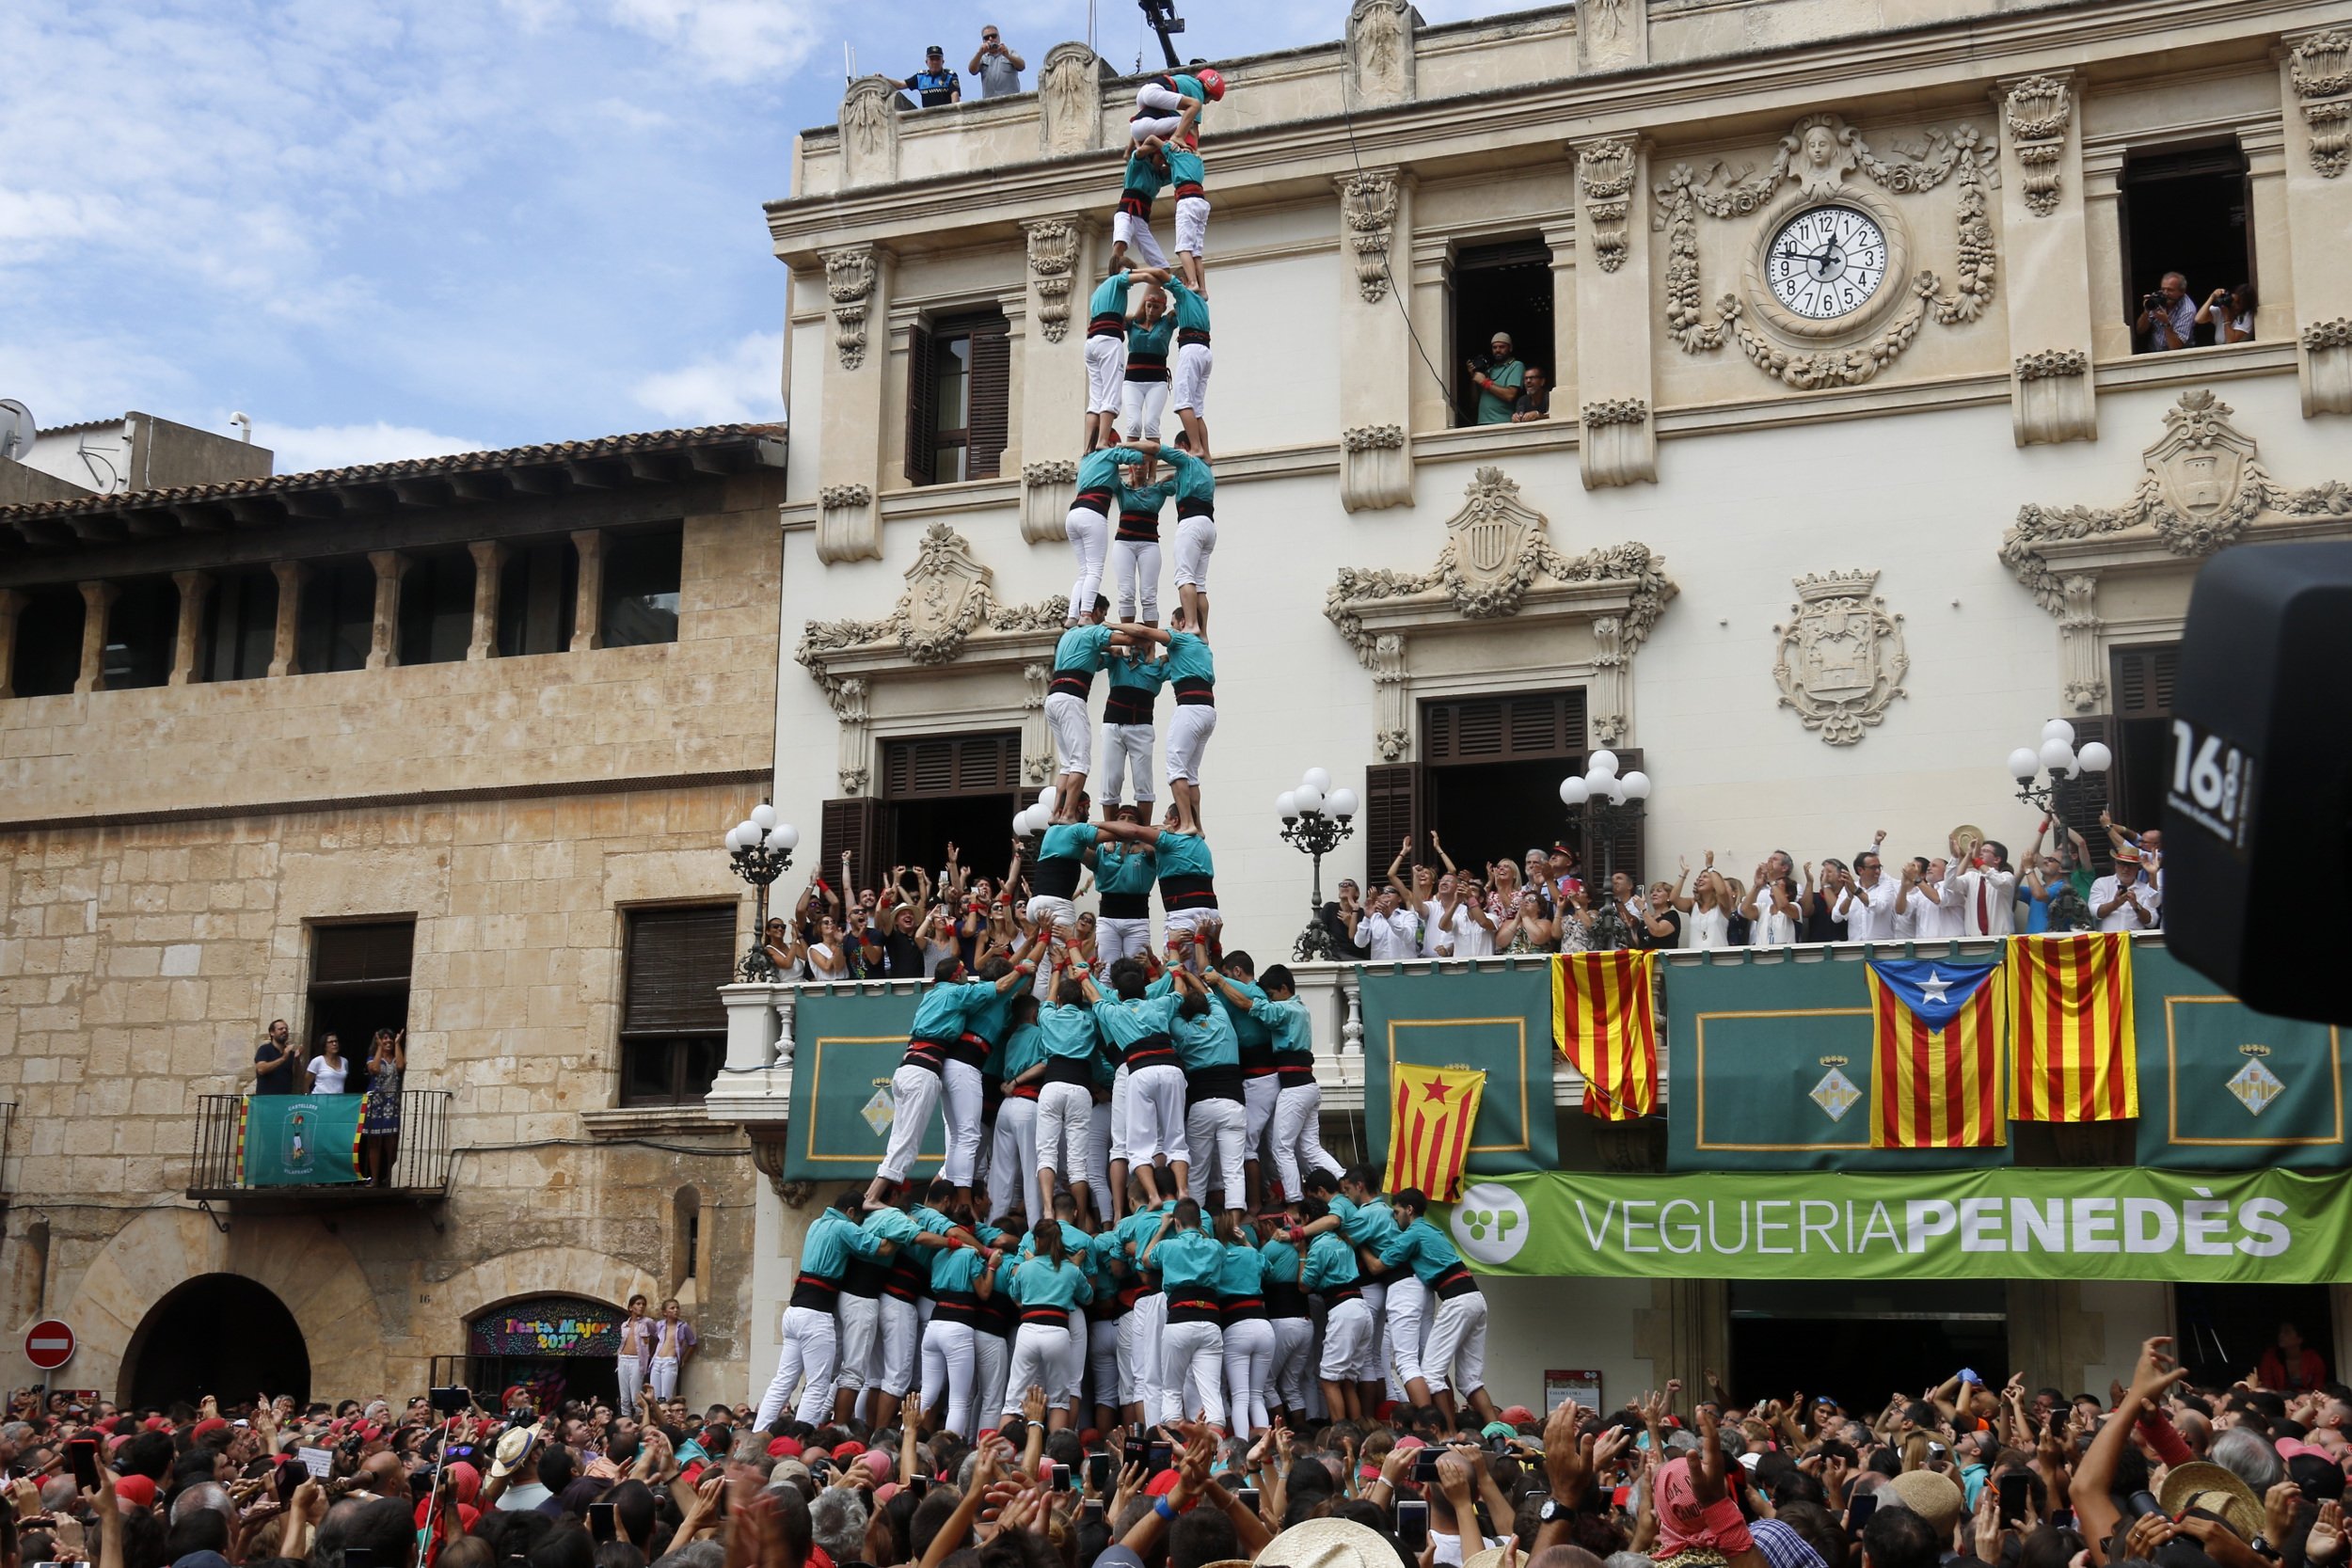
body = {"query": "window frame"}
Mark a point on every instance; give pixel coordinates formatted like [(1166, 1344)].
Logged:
[(986, 429), (677, 1024)]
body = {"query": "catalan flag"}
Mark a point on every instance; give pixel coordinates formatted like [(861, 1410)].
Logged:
[(1605, 1025), (1935, 1049), (1429, 1127), (2070, 1008)]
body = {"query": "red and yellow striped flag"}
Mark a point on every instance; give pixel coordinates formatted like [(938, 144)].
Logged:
[(1604, 1022), (1430, 1119), (1935, 1054), (2070, 1008)]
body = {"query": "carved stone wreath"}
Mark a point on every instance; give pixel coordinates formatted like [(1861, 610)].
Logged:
[(1052, 260), (1841, 661), (1604, 171), (1815, 157), (2039, 111), (2322, 69), (848, 282)]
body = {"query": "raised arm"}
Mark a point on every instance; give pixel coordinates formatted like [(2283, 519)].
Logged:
[(1402, 891)]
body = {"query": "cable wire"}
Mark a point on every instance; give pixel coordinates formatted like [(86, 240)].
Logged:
[(1355, 152)]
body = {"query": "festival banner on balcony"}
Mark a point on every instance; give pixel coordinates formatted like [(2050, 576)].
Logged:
[(2224, 1088), (299, 1140), (1498, 1022), (1772, 1065), (2268, 1227), (848, 1044)]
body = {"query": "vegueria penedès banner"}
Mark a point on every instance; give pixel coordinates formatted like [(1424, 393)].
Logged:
[(2272, 1228)]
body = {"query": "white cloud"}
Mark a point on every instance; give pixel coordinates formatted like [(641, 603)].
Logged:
[(734, 41), (302, 449), (740, 385)]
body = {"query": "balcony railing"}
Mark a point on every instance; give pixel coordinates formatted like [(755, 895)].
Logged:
[(420, 1173)]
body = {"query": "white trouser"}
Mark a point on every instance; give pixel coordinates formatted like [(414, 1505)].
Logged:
[(1293, 1339), (914, 1095), (1122, 745), (858, 1322), (1457, 1356), (1160, 125), (1349, 1342), (1105, 1339), (807, 1353), (1090, 537), (1040, 1356), (663, 1375), (1248, 1366), (1299, 1138), (1136, 579), (1156, 1125), (981, 1172), (948, 1368), (901, 1330), (1063, 1112), (1118, 1107), (1135, 233), (630, 1373), (1117, 939), (1214, 1129), (1099, 1157), (1192, 1372), (1140, 406), (1014, 1158), (1140, 1336), (1258, 1097), (1051, 908), (1188, 734), (992, 1363), (1196, 541), (1192, 920), (1074, 1364), (961, 1081), (1155, 95), (1073, 729), (1106, 373), (1408, 1327), (1192, 228), (1193, 363)]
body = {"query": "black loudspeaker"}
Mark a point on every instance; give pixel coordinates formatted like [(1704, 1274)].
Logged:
[(2258, 778)]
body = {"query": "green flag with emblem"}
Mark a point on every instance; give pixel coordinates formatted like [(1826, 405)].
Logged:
[(2224, 1088), (848, 1043), (1497, 1021)]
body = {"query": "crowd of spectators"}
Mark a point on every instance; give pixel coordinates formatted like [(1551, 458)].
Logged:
[(994, 64)]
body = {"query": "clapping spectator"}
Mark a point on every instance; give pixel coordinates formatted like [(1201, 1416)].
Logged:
[(827, 956), (934, 85), (2231, 314), (1771, 905), (1534, 398), (1526, 928), (330, 1069), (2168, 317), (1466, 928), (1870, 899), (1711, 907), (274, 1061), (1387, 931), (1983, 885), (1826, 903), (997, 67), (2126, 900)]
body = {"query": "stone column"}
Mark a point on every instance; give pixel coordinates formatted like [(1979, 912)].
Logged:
[(384, 634), (2316, 85), (1432, 259), (285, 649), (855, 403), (1619, 444), (2049, 291), (11, 608), (194, 587), (1560, 239), (97, 600), (588, 609), (1052, 364), (1376, 368), (488, 556), (2102, 244)]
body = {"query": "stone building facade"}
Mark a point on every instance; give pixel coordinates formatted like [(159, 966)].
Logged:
[(476, 724)]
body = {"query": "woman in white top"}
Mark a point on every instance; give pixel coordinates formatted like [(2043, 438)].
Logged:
[(1467, 930), (1773, 907), (1712, 907), (329, 1068), (2231, 314), (828, 957)]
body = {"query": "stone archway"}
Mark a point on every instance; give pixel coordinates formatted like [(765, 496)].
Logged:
[(215, 1334), (448, 1307)]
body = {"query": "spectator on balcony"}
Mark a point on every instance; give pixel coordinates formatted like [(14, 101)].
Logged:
[(1827, 903), (2168, 317), (1560, 871), (2231, 314), (995, 64), (1711, 907), (1534, 398), (1465, 928), (935, 86), (2057, 886), (1870, 899), (1387, 931), (2126, 899), (1984, 885), (274, 1060), (1773, 908), (1525, 926), (783, 949), (330, 1069), (827, 956), (1922, 909), (1660, 926), (379, 1111), (1343, 918), (1499, 377), (893, 949)]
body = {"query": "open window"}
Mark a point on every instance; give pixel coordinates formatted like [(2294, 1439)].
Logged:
[(338, 615), (239, 626), (539, 590), (2184, 210), (359, 984), (957, 790), (958, 397), (140, 628), (1501, 288), (48, 641), (437, 607), (642, 569), (2141, 678)]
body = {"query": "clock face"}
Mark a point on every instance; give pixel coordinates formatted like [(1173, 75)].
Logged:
[(1826, 263)]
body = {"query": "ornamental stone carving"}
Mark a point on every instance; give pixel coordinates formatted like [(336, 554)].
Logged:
[(849, 528), (2083, 665), (2326, 350), (1380, 49), (1368, 200), (1604, 173), (1047, 490), (2053, 403), (1375, 468), (1053, 262), (1069, 100), (1609, 411), (1612, 32), (2038, 111), (2321, 66), (1618, 445), (849, 284), (1841, 660), (869, 131)]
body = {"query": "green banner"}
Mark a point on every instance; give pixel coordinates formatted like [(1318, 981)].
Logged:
[(2224, 1088), (1771, 1070), (1499, 1021), (299, 1140), (848, 1044), (2267, 1228)]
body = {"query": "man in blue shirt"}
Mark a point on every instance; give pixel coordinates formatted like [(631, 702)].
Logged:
[(1455, 1356), (934, 85)]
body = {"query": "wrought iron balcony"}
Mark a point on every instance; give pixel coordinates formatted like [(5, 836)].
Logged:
[(290, 1166)]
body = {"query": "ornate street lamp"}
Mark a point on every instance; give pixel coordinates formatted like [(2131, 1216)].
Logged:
[(1596, 804), (1316, 819), (2065, 764), (759, 848)]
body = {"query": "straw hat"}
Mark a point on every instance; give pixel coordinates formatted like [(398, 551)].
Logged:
[(1494, 1557), (1329, 1544), (2203, 1484)]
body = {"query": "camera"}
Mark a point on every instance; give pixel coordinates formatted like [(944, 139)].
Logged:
[(1481, 362)]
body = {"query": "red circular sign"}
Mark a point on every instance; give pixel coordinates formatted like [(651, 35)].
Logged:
[(49, 1344)]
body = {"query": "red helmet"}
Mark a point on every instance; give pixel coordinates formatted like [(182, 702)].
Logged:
[(1213, 83)]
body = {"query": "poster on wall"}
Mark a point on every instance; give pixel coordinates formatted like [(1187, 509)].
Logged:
[(547, 1325), (1582, 1385)]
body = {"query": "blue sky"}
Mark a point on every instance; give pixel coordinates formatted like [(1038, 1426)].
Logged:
[(388, 228)]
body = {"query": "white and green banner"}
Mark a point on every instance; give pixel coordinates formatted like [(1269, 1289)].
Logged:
[(2271, 1228)]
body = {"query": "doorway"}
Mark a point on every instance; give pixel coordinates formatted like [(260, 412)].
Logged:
[(2221, 1331), (218, 1334), (1889, 1334), (553, 1348), (958, 789)]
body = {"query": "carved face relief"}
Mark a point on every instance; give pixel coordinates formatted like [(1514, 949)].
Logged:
[(1819, 146)]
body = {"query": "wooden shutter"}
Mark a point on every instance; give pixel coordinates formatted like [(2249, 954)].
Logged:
[(1528, 725), (1391, 801), (2086, 797), (676, 959), (374, 952), (2143, 680), (922, 404), (848, 824), (941, 767), (990, 408)]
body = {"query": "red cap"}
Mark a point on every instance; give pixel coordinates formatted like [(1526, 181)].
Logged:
[(848, 1451), (138, 1491), (785, 1447), (155, 1423), (1517, 1415), (210, 1424)]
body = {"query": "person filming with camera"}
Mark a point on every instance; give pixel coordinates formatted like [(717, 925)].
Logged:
[(1498, 376)]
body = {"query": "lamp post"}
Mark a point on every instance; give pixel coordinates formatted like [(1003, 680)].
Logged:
[(2057, 754), (1316, 819), (1596, 803), (759, 848)]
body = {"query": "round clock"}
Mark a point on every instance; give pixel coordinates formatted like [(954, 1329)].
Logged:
[(1826, 263)]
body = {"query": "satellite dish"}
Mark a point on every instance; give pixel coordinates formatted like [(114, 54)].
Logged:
[(17, 429)]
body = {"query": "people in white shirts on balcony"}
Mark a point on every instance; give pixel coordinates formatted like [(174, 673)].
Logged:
[(1386, 930), (1920, 913), (1870, 899), (1986, 887), (1771, 905), (2127, 900), (1465, 929), (1711, 907)]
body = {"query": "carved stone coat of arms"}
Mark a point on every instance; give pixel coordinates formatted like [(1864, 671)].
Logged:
[(1841, 657)]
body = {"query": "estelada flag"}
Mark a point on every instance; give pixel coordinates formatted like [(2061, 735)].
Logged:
[(1430, 1119), (1605, 1025), (2070, 1009), (1935, 1054)]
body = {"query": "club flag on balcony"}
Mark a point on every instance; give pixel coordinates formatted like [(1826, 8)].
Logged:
[(1432, 1110), (1936, 1047), (1606, 1026), (2069, 1011), (297, 1140)]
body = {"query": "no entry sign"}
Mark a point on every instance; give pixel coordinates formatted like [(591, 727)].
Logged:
[(49, 1344)]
